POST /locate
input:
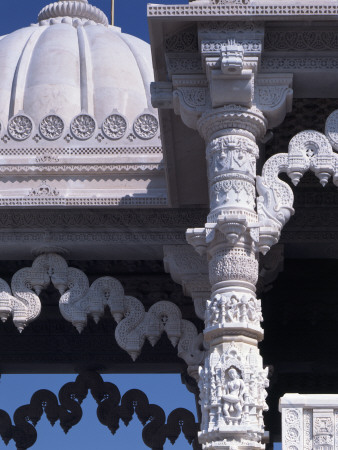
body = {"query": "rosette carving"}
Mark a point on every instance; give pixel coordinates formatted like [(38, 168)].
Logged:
[(146, 126), (20, 127), (83, 126), (51, 127), (114, 126)]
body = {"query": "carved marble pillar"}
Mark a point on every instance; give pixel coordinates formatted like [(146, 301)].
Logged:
[(233, 380), (217, 88)]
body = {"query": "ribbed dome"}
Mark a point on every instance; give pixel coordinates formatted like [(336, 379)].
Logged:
[(73, 62)]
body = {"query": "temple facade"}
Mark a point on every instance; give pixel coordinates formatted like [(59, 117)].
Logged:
[(184, 225)]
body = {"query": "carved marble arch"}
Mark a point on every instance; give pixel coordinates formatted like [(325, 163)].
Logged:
[(112, 408), (79, 300), (308, 150)]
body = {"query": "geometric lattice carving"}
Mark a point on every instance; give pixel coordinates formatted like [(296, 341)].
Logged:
[(79, 300), (111, 409)]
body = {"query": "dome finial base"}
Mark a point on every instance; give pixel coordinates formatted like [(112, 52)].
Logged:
[(79, 9)]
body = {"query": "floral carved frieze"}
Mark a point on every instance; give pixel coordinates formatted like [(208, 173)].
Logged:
[(305, 40), (184, 42), (83, 126), (79, 300)]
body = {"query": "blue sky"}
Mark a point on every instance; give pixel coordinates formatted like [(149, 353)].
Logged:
[(163, 390), (130, 15)]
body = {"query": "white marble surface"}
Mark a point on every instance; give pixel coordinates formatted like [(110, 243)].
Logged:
[(309, 421)]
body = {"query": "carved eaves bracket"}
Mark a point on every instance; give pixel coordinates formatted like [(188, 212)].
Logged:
[(308, 151), (79, 300), (190, 270), (220, 67)]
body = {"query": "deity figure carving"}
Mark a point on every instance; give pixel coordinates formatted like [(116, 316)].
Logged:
[(233, 395), (234, 309)]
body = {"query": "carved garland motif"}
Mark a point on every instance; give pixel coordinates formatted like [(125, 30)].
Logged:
[(79, 300)]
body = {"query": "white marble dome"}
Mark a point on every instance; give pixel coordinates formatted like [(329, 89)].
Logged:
[(72, 62)]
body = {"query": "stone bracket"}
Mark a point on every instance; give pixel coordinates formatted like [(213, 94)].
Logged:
[(189, 270), (79, 300), (308, 150)]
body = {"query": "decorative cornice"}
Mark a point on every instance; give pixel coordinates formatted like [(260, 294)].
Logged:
[(298, 63), (134, 238), (263, 10), (78, 168), (128, 200), (80, 151), (73, 9), (173, 219), (295, 40)]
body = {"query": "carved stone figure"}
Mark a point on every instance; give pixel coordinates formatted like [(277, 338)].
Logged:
[(233, 395)]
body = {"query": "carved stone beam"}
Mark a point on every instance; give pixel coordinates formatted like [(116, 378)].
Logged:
[(189, 270)]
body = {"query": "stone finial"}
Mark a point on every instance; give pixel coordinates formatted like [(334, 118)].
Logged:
[(73, 9)]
